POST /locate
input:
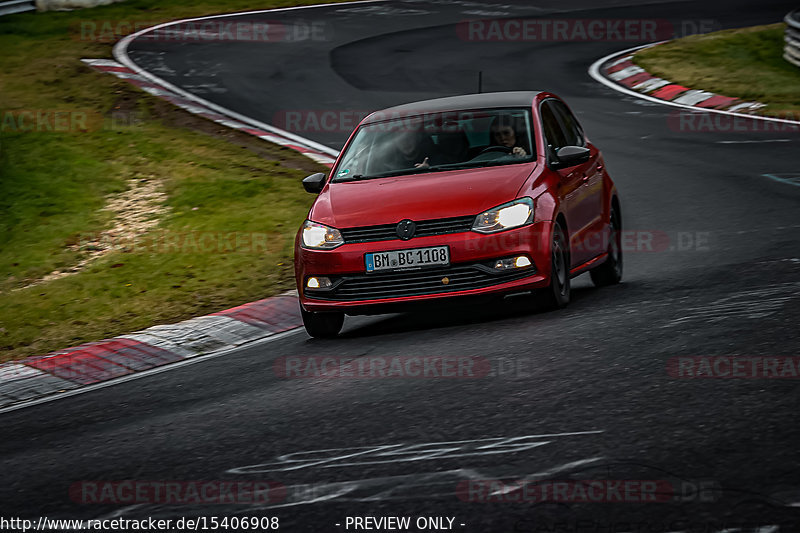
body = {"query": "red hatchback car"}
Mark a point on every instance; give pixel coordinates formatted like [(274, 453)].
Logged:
[(484, 194)]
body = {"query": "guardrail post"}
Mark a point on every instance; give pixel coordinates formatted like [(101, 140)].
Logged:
[(791, 51), (9, 7)]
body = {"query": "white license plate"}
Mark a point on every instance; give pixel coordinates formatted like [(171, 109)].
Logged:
[(414, 258)]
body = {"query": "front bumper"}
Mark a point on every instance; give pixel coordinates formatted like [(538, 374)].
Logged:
[(470, 272)]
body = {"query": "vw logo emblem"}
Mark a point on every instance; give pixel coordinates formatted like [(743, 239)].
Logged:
[(405, 229)]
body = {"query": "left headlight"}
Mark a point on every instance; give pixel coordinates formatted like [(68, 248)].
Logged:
[(320, 236), (506, 216)]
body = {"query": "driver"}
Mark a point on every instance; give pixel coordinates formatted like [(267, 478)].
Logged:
[(504, 133)]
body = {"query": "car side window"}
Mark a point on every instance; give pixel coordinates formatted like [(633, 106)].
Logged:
[(572, 129), (553, 131)]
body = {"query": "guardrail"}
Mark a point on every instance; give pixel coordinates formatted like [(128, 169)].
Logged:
[(16, 6), (791, 51)]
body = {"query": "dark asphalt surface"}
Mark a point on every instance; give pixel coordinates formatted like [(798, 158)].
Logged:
[(593, 376)]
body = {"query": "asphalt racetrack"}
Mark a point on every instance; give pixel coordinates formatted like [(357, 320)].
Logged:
[(578, 395)]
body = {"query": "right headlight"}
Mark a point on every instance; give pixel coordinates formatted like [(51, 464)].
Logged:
[(320, 236), (506, 216)]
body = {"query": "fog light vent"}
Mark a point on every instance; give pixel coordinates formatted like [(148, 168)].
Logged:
[(320, 282), (521, 261)]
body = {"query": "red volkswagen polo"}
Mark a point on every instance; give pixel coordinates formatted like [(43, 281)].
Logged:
[(484, 194)]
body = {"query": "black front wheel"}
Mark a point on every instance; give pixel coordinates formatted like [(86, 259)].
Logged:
[(322, 325), (557, 294), (610, 272)]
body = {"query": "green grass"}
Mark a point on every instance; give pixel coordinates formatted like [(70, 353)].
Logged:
[(53, 186), (745, 63)]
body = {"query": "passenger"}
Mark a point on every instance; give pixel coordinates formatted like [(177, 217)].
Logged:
[(505, 131), (413, 150)]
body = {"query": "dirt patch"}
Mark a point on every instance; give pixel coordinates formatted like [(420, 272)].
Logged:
[(136, 211)]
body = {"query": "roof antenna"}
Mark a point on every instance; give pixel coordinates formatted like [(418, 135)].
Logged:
[(480, 81)]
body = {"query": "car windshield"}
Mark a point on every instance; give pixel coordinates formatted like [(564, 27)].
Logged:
[(437, 142)]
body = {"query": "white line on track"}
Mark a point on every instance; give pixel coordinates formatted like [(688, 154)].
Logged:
[(794, 180)]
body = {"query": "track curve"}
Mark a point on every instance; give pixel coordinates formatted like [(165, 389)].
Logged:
[(582, 393)]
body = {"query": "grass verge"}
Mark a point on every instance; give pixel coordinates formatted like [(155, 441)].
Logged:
[(231, 203), (745, 63)]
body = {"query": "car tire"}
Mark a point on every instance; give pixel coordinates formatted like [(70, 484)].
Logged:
[(557, 294), (322, 325), (610, 272)]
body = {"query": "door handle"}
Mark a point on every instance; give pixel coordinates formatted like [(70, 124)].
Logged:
[(585, 178)]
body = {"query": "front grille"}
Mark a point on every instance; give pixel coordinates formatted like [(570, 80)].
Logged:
[(413, 283), (425, 228)]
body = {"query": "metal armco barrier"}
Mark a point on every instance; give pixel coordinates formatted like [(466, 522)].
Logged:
[(16, 6), (791, 51)]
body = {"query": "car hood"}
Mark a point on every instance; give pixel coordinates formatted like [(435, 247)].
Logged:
[(418, 196)]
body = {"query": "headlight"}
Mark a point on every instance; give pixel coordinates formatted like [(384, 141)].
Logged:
[(506, 216), (320, 236)]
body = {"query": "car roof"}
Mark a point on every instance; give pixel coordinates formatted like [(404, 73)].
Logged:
[(456, 103)]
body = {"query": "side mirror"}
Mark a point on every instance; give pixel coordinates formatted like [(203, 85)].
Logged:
[(315, 182), (569, 156)]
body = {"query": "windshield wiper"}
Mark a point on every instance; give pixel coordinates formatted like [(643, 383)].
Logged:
[(401, 172), (476, 164), (355, 177)]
